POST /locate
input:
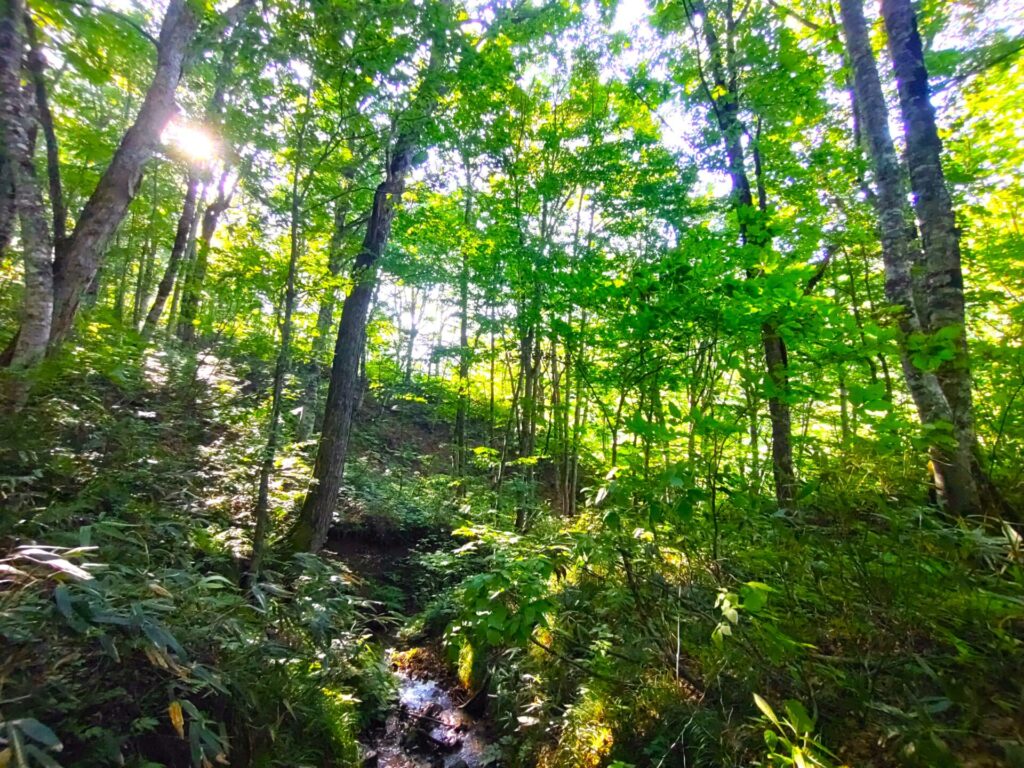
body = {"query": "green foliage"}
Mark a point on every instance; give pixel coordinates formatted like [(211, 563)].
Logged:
[(569, 425), (128, 635)]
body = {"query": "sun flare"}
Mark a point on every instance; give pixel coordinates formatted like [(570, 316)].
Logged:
[(194, 142)]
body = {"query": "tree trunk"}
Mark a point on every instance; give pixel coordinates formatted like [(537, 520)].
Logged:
[(192, 286), (281, 366), (779, 415), (7, 213), (30, 343), (192, 291), (182, 240), (80, 260), (311, 412), (726, 110), (310, 529), (942, 289), (36, 66), (951, 465)]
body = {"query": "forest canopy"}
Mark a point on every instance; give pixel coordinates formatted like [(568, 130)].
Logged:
[(646, 376)]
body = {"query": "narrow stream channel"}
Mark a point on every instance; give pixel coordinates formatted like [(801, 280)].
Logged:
[(428, 730)]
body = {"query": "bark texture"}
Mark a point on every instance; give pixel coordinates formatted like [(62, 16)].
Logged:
[(37, 67), (310, 530), (952, 465), (7, 212), (942, 284), (79, 262), (30, 343)]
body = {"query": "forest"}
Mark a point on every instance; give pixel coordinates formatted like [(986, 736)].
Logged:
[(557, 383)]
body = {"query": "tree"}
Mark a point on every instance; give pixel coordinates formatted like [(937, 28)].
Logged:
[(951, 458), (30, 344), (310, 529)]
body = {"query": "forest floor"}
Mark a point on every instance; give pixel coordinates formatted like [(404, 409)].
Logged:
[(130, 637)]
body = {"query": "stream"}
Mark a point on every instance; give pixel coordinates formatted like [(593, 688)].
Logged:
[(428, 730)]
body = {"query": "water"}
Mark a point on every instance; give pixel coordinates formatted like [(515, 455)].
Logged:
[(428, 730)]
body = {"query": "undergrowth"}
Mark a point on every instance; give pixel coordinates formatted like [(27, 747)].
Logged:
[(128, 636)]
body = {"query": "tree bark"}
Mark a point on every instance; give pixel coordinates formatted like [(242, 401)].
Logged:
[(7, 213), (76, 268), (36, 67), (311, 527), (726, 111), (951, 464), (942, 289), (310, 531), (29, 345), (311, 420), (182, 239)]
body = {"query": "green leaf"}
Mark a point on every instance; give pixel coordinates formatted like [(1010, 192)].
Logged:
[(766, 709), (40, 733), (41, 757), (799, 717)]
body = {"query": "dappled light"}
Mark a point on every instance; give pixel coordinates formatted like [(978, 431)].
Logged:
[(503, 384)]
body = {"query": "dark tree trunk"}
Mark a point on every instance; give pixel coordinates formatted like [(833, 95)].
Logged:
[(779, 415), (192, 290), (182, 240), (30, 343), (951, 464), (310, 530), (79, 262), (311, 412), (726, 110), (7, 212)]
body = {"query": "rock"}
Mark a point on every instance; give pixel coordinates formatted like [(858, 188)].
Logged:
[(370, 759), (460, 763)]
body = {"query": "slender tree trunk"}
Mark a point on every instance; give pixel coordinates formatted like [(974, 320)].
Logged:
[(29, 346), (37, 66), (281, 366), (491, 396), (725, 105), (182, 239), (311, 527), (311, 411), (192, 290), (126, 266), (779, 415), (951, 464), (184, 272), (192, 287), (8, 214), (462, 407), (80, 260), (310, 531)]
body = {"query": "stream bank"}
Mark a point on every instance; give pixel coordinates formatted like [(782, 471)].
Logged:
[(434, 722), (429, 726)]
